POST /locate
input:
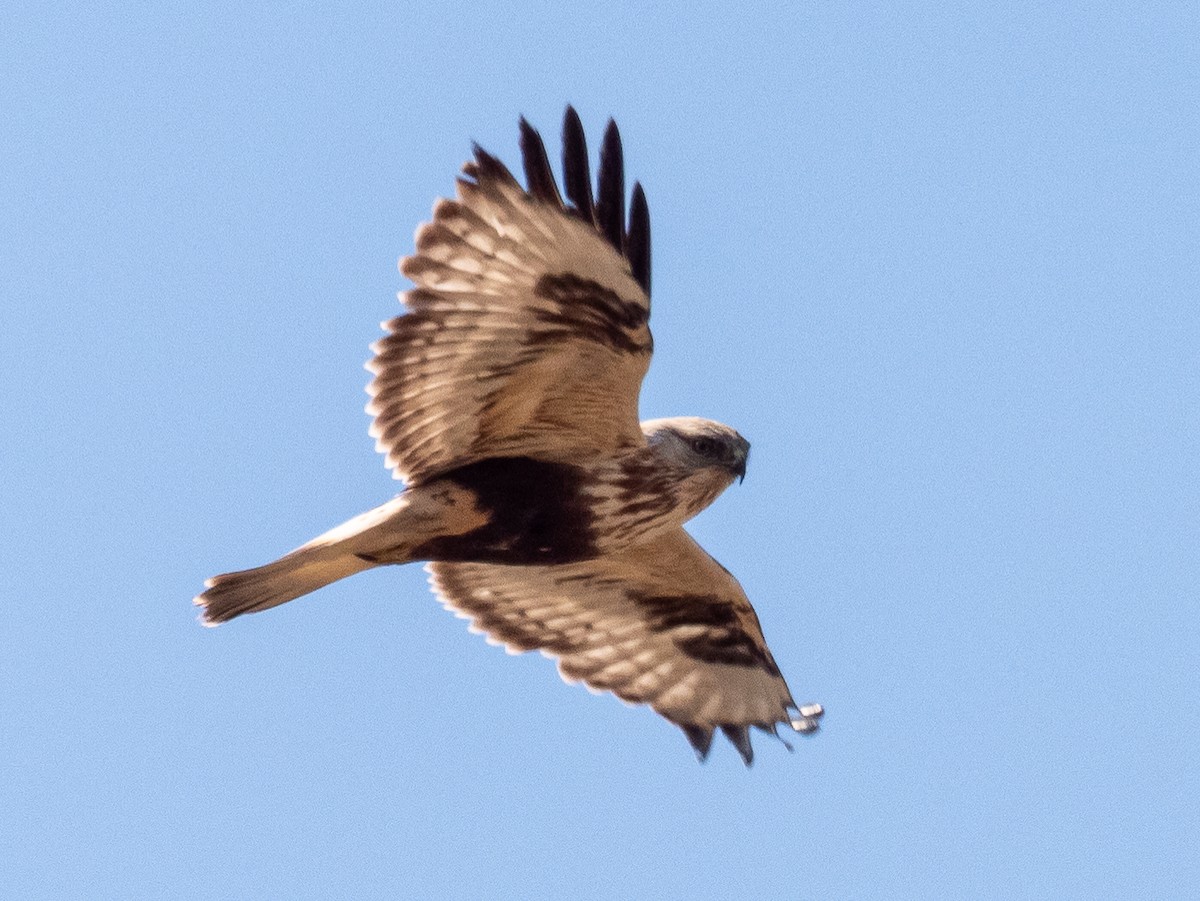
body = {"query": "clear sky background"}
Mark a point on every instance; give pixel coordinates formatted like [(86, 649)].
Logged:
[(939, 262)]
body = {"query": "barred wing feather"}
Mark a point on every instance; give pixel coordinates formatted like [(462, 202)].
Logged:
[(529, 325), (662, 624)]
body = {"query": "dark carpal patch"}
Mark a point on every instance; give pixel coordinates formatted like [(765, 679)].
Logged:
[(536, 515), (584, 308), (723, 639)]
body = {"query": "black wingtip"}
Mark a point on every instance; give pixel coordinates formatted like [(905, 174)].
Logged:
[(700, 738), (610, 208), (577, 174), (539, 177), (637, 242), (605, 211), (486, 166), (740, 736)]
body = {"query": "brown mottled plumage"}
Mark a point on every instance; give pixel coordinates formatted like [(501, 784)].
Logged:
[(506, 398)]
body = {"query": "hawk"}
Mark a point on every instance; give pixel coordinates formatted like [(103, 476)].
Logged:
[(506, 398)]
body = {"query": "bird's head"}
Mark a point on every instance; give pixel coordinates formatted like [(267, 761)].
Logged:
[(704, 456)]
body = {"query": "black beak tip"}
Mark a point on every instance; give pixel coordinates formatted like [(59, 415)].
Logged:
[(739, 458)]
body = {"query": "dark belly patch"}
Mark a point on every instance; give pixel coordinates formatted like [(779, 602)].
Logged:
[(536, 514)]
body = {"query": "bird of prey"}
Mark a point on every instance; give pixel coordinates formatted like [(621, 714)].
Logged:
[(506, 398)]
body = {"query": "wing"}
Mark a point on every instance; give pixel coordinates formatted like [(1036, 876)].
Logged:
[(662, 624), (529, 325)]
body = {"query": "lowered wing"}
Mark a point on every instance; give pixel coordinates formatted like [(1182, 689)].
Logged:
[(662, 624)]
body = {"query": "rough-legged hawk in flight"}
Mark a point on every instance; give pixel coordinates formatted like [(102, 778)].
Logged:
[(506, 398)]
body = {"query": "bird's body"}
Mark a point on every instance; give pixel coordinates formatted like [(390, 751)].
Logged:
[(514, 511), (507, 400)]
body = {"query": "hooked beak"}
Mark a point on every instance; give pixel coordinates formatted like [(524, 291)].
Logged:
[(743, 456)]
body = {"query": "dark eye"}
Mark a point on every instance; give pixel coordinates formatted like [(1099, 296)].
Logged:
[(705, 447)]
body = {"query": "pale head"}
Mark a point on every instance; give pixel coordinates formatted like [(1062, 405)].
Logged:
[(704, 456)]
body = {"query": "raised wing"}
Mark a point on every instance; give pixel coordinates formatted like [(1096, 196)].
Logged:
[(662, 624), (529, 325)]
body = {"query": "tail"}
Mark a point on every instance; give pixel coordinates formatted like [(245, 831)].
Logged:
[(339, 553), (263, 587), (390, 533)]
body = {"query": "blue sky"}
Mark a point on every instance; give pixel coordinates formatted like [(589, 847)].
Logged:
[(937, 261)]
